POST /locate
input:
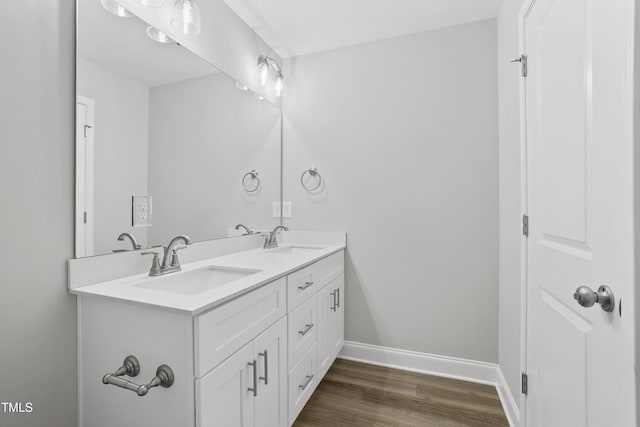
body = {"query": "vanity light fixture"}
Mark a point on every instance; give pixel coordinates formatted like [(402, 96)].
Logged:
[(152, 3), (186, 17), (159, 36), (242, 86), (115, 8), (267, 64)]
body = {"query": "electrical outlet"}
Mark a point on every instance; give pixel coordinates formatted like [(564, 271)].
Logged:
[(286, 209), (141, 211), (276, 209)]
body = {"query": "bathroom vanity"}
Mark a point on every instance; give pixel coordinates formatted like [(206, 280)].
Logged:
[(247, 336)]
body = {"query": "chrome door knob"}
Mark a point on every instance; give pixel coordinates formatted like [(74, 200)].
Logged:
[(587, 298)]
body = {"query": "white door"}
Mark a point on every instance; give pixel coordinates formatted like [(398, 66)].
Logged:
[(85, 126), (223, 397), (270, 352), (326, 305), (579, 186)]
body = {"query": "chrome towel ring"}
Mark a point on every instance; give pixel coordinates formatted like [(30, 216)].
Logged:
[(312, 171), (246, 183)]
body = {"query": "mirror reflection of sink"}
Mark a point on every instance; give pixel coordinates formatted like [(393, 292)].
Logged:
[(294, 250), (197, 281)]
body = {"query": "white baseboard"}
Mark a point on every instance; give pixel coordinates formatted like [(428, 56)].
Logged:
[(442, 366), (509, 404), (433, 364)]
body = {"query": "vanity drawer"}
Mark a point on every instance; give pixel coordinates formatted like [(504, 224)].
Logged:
[(303, 380), (302, 330), (300, 286), (225, 329), (328, 269)]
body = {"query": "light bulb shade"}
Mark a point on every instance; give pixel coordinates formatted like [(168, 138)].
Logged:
[(152, 3), (159, 36), (263, 70), (115, 8), (278, 86), (186, 17)]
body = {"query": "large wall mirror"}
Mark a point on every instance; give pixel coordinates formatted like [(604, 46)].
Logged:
[(165, 144)]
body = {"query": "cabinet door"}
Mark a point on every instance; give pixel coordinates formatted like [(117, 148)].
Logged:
[(326, 304), (270, 351), (336, 319), (223, 397)]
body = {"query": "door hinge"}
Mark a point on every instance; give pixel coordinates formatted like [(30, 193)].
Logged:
[(525, 383), (85, 217), (523, 64), (525, 225)]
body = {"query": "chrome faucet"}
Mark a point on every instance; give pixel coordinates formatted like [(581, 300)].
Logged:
[(159, 269), (270, 241), (247, 229), (131, 238)]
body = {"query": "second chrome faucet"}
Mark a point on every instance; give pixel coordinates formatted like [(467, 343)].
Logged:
[(170, 262)]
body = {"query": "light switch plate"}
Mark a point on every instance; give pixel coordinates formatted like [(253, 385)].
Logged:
[(286, 209), (141, 210), (276, 209)]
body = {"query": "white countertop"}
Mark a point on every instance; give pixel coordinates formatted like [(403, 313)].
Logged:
[(271, 266)]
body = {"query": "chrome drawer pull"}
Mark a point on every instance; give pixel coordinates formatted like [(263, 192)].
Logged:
[(254, 390), (306, 285), (306, 330), (266, 367), (306, 383)]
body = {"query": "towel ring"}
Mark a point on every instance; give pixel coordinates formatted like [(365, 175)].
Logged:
[(254, 176), (312, 172)]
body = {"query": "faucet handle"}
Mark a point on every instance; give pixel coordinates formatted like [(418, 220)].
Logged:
[(155, 264), (175, 262)]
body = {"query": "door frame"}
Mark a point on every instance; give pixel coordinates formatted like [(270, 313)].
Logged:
[(84, 154), (524, 264)]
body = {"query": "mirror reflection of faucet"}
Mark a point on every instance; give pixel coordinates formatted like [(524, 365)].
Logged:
[(134, 243), (247, 232)]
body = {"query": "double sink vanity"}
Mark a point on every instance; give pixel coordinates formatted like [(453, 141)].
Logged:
[(246, 335)]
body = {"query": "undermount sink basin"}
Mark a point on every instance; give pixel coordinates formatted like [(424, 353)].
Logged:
[(294, 250), (197, 281)]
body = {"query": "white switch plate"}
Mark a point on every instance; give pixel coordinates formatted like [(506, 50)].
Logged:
[(276, 209), (286, 209), (141, 210)]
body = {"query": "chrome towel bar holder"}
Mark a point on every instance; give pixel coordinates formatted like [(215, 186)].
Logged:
[(313, 172), (246, 183), (131, 367)]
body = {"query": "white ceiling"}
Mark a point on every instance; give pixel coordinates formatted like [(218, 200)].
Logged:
[(299, 27), (122, 46)]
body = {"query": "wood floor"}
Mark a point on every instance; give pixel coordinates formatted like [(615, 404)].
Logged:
[(354, 394)]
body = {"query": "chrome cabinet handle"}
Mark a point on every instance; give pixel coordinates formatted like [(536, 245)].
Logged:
[(266, 367), (306, 330), (306, 285), (338, 292), (131, 367), (333, 294), (254, 389), (304, 385)]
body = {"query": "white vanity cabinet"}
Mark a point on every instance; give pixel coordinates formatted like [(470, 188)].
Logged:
[(253, 361)]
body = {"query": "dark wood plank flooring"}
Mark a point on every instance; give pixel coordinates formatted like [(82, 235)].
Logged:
[(355, 394)]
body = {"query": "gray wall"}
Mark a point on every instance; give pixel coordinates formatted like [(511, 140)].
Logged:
[(121, 148), (510, 210), (37, 315), (405, 133), (196, 180)]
